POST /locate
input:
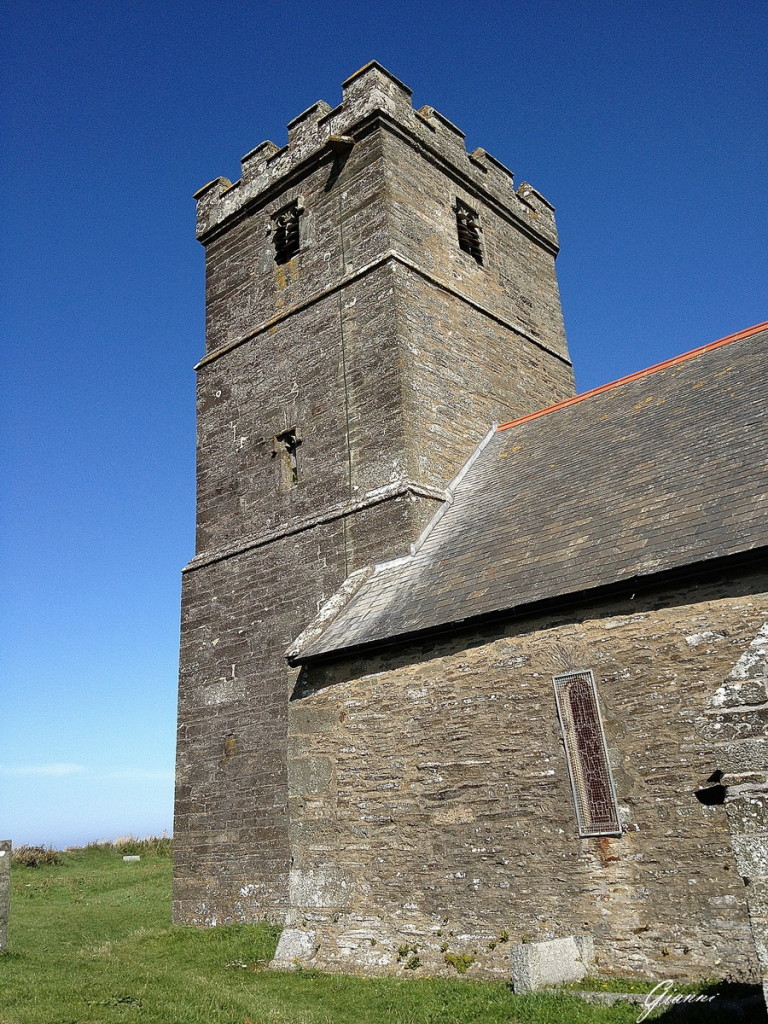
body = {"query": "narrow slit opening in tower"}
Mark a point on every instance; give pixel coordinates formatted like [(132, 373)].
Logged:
[(468, 232), (286, 450)]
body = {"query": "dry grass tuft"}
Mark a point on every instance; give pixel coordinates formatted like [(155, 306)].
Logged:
[(35, 857), (129, 846)]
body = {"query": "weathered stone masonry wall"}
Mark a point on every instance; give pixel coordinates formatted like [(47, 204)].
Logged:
[(431, 809), (238, 616), (343, 227), (449, 349), (341, 390), (516, 280)]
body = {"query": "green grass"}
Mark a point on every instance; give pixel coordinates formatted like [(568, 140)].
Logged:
[(91, 943)]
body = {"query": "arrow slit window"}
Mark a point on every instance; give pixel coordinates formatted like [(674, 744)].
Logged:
[(590, 772), (285, 450)]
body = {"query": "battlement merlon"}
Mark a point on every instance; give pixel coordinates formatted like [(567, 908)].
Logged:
[(316, 132)]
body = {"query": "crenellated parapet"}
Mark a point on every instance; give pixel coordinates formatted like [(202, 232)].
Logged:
[(322, 131)]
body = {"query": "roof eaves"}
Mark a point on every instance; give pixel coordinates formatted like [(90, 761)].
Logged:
[(631, 586)]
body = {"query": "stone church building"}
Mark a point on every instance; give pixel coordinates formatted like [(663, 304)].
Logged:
[(473, 669)]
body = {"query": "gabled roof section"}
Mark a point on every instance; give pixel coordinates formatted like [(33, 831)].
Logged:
[(658, 471)]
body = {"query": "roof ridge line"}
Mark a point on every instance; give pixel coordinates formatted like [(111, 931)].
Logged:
[(635, 376)]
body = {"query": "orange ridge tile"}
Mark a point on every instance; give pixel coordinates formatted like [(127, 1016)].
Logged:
[(635, 376)]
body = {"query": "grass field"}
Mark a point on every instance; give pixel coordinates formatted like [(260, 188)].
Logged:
[(91, 943)]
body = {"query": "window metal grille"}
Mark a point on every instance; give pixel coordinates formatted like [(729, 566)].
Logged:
[(468, 231), (591, 782), (286, 233)]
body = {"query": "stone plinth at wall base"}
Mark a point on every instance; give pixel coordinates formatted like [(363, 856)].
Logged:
[(296, 948), (535, 965), (5, 889)]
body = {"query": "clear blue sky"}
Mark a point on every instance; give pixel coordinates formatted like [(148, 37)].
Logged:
[(644, 123)]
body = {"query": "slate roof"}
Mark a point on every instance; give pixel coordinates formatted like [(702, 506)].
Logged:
[(661, 470)]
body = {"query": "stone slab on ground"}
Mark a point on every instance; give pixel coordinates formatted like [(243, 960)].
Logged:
[(296, 946), (536, 965)]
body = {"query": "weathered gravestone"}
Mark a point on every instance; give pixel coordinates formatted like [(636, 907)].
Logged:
[(5, 889)]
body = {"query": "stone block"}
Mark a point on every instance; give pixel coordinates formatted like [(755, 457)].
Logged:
[(295, 948), (310, 776), (5, 889), (757, 897), (536, 965), (751, 855), (305, 718), (749, 755), (748, 813), (740, 724), (760, 935), (319, 887), (752, 664), (738, 694)]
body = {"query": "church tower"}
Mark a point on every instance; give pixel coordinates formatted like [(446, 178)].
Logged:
[(376, 298)]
